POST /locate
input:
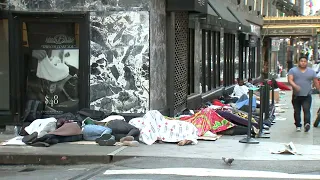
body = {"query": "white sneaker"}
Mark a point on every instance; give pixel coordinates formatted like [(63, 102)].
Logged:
[(298, 129)]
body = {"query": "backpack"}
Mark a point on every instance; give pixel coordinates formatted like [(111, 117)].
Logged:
[(33, 111), (93, 114)]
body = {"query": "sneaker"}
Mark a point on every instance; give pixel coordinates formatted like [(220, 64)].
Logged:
[(103, 137), (306, 127), (109, 142), (298, 129)]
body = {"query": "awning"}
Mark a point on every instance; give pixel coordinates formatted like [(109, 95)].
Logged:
[(240, 16), (198, 6), (229, 21), (212, 18)]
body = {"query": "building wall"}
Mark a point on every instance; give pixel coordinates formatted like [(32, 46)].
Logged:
[(120, 50)]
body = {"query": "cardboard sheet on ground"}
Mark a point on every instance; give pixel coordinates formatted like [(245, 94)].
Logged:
[(209, 138), (83, 143), (288, 149), (16, 141), (280, 119)]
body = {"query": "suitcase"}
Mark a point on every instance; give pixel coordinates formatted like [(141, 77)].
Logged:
[(316, 122)]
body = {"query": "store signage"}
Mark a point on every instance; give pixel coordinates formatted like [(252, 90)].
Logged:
[(201, 2), (291, 31), (58, 36), (60, 41), (256, 30), (275, 45), (253, 41)]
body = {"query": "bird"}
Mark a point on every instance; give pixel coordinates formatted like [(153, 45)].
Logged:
[(228, 161)]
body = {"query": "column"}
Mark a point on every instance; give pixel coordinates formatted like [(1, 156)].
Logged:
[(197, 57), (221, 53)]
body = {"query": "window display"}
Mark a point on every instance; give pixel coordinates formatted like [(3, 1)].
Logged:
[(53, 66)]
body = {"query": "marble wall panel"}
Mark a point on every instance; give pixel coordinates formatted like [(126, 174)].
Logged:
[(79, 5), (120, 62)]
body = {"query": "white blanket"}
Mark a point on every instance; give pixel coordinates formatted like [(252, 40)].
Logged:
[(153, 126), (42, 126)]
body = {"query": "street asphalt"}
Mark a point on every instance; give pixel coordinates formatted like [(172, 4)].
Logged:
[(145, 168)]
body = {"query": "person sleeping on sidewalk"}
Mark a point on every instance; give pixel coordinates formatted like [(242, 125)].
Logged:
[(113, 130)]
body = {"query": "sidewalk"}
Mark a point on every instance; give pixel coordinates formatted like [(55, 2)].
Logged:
[(282, 132)]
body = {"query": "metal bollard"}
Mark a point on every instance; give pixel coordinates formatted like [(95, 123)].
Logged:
[(249, 139), (272, 91), (267, 102), (262, 113)]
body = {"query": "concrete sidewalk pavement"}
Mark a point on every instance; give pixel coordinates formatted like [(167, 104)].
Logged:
[(282, 132)]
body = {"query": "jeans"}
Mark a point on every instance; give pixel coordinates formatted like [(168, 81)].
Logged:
[(305, 103), (92, 132)]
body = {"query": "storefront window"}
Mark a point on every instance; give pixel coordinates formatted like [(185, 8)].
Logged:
[(210, 60), (53, 64), (4, 66)]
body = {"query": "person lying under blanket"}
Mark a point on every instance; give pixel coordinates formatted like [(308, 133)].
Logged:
[(154, 127)]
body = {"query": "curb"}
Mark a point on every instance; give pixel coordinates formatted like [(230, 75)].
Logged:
[(36, 159)]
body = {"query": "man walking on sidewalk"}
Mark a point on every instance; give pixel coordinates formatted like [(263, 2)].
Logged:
[(301, 78)]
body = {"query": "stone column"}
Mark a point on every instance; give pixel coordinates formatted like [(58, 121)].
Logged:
[(158, 64), (197, 57), (221, 53), (315, 48)]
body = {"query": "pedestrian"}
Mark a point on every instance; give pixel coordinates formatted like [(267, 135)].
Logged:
[(301, 79)]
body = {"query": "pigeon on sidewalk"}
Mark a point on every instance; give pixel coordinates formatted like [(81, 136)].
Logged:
[(228, 161)]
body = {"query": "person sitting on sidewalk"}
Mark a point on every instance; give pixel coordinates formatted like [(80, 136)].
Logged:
[(240, 89), (301, 78), (249, 84)]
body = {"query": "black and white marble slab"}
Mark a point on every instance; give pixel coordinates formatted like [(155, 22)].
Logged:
[(119, 80)]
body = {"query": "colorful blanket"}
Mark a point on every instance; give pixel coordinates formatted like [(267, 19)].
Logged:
[(208, 120)]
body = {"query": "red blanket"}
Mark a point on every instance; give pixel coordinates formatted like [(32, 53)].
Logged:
[(281, 86)]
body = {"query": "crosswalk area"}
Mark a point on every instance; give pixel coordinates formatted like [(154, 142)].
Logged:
[(207, 172)]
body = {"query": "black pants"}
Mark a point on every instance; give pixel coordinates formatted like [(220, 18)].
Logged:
[(122, 129), (305, 103)]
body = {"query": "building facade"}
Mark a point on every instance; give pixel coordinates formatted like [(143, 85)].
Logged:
[(278, 50), (125, 56)]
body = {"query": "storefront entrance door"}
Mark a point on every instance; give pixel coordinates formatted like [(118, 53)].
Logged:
[(53, 60)]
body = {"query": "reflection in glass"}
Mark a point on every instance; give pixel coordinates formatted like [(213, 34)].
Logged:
[(4, 65)]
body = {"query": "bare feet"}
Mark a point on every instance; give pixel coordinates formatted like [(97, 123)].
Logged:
[(184, 142), (127, 138), (131, 143)]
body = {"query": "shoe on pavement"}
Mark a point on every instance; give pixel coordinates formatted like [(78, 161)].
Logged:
[(298, 129), (103, 137), (109, 142), (307, 127)]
